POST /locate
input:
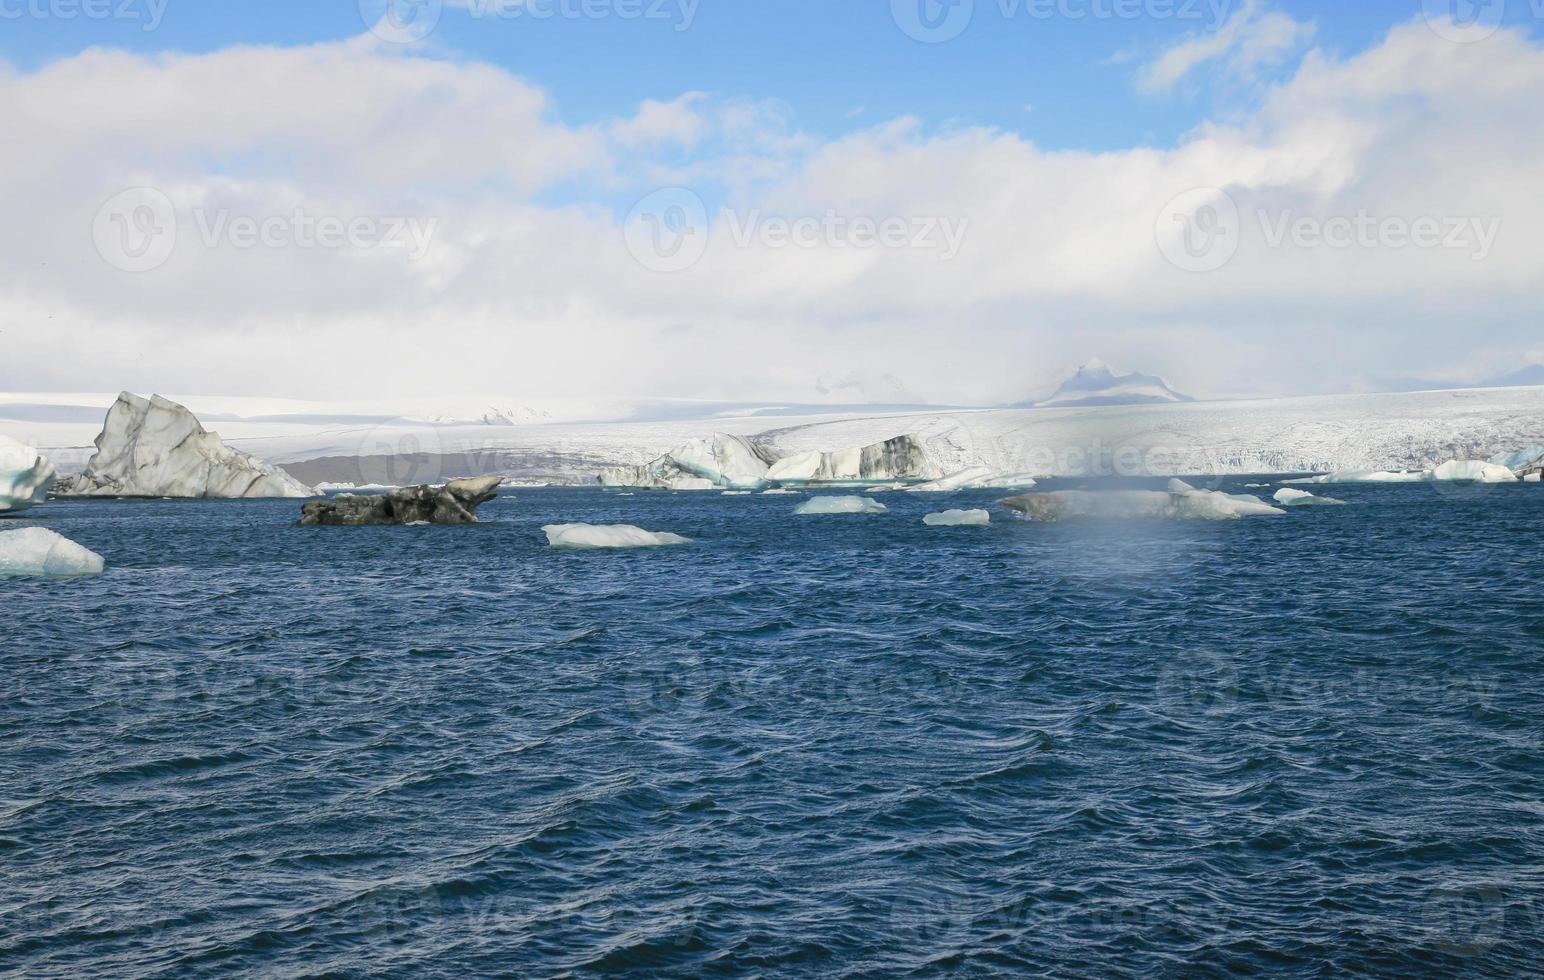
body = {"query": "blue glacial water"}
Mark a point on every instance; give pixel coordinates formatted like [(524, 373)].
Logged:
[(833, 746)]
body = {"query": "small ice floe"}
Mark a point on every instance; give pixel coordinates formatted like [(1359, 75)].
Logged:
[(736, 493), (977, 478), (586, 537), (841, 505), (1182, 502), (1363, 476), (39, 552), (778, 490), (1288, 497), (958, 518)]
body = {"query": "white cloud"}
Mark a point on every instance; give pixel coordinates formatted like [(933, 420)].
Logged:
[(1252, 40), (534, 298)]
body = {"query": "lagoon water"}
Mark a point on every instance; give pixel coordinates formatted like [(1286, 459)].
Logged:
[(825, 746)]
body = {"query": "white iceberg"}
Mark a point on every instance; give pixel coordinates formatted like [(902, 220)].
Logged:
[(1181, 502), (902, 458), (586, 537), (958, 518), (1525, 463), (1364, 476), (156, 448), (722, 462), (25, 476), (977, 478), (36, 551), (841, 505), (1288, 497), (1473, 471)]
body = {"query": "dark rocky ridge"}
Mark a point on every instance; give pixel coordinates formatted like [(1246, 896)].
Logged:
[(454, 503)]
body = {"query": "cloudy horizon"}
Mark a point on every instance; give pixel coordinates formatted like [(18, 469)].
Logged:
[(382, 216)]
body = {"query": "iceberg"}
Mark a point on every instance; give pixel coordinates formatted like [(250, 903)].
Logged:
[(1525, 463), (1181, 502), (454, 503), (903, 458), (1473, 471), (977, 478), (958, 518), (841, 505), (39, 552), (1363, 476), (1288, 497), (25, 476), (722, 462), (156, 448), (586, 537)]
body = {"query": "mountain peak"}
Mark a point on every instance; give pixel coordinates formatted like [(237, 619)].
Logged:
[(1096, 383)]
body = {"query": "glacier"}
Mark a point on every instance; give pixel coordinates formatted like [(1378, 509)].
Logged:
[(723, 461), (25, 476), (589, 537), (1319, 434), (157, 448), (39, 552), (958, 518), (901, 458), (840, 505)]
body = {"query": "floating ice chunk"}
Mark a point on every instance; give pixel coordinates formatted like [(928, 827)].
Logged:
[(1288, 497), (958, 518), (1364, 476), (1187, 505), (1523, 463), (779, 491), (977, 478), (841, 505), (37, 551), (25, 476), (590, 536), (736, 493), (1473, 471)]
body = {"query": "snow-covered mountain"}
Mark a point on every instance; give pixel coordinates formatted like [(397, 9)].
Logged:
[(489, 415), (1096, 384)]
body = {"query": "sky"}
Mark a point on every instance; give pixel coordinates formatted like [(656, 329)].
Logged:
[(954, 201)]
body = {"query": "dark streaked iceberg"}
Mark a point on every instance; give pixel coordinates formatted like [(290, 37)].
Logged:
[(454, 503)]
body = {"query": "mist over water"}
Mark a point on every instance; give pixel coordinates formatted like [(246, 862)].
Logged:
[(843, 745)]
